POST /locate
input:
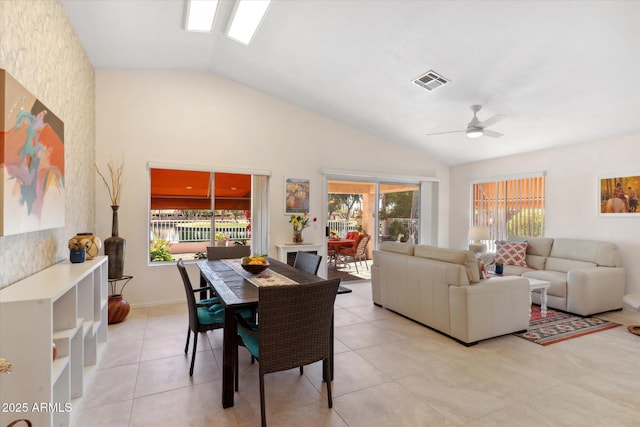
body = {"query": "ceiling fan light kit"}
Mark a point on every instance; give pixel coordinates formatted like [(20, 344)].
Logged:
[(474, 133), (476, 128)]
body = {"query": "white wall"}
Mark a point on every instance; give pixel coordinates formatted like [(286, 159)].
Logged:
[(199, 118), (572, 194)]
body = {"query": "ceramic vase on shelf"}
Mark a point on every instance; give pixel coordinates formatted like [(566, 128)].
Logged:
[(297, 236), (114, 248), (118, 309), (89, 241)]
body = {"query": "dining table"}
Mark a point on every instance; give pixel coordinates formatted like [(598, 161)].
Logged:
[(236, 289)]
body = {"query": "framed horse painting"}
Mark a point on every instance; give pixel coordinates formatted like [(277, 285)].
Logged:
[(619, 195)]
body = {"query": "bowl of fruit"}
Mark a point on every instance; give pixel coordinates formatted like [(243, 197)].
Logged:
[(255, 264)]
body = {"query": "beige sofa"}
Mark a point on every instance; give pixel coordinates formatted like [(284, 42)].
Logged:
[(586, 275), (442, 289)]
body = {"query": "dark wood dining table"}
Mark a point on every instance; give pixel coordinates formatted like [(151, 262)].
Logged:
[(235, 292)]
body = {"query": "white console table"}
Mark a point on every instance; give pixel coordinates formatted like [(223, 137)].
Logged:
[(283, 250), (65, 304)]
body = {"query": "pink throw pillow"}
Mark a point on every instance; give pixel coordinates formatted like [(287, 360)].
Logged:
[(511, 253)]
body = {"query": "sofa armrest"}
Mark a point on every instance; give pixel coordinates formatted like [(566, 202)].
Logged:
[(594, 290), (375, 285), (492, 307)]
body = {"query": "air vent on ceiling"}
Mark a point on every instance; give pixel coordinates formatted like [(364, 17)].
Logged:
[(431, 80)]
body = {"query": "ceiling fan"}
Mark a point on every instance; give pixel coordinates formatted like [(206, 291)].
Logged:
[(476, 128)]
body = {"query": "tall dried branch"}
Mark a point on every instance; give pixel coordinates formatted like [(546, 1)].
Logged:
[(116, 173)]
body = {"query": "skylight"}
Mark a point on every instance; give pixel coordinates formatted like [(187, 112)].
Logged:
[(200, 15), (246, 18)]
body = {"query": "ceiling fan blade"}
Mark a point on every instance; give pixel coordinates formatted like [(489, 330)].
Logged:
[(442, 133), (492, 120), (491, 133)]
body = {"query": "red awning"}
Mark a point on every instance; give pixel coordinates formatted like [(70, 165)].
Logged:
[(183, 189)]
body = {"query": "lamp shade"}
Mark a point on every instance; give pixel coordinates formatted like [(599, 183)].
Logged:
[(479, 233)]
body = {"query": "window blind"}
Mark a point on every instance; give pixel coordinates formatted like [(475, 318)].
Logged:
[(509, 207)]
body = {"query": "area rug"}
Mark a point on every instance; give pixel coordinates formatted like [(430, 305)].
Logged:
[(559, 326)]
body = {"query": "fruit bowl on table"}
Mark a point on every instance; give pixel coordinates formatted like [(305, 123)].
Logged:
[(255, 268)]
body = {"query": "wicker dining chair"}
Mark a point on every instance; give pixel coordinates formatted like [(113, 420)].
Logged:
[(227, 252), (294, 330), (308, 262), (203, 316)]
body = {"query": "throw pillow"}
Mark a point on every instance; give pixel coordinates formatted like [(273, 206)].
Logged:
[(511, 253)]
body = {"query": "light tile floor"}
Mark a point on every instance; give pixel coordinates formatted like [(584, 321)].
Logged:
[(389, 371)]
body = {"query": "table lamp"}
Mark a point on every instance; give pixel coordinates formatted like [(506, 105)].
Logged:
[(476, 235)]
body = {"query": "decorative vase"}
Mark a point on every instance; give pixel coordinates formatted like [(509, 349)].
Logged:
[(114, 248), (54, 351), (297, 236), (77, 255), (118, 309), (90, 241)]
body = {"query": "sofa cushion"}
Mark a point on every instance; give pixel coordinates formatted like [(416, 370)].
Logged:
[(511, 253), (454, 256), (535, 261), (601, 253), (564, 265), (398, 248), (540, 246), (558, 281), (515, 270)]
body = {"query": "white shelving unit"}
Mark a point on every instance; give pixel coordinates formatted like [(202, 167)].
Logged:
[(65, 304)]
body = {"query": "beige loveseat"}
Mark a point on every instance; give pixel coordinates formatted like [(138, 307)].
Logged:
[(442, 289), (586, 275)]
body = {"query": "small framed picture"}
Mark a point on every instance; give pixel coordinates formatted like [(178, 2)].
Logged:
[(619, 195), (296, 196)]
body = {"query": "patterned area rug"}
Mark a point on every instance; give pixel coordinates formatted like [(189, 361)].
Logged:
[(559, 326)]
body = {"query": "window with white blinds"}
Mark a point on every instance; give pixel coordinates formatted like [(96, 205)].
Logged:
[(509, 207)]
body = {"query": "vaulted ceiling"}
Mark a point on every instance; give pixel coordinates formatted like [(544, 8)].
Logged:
[(562, 72)]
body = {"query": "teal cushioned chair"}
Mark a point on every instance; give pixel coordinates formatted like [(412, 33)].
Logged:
[(203, 316), (294, 330)]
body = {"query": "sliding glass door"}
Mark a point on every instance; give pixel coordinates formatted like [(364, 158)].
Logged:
[(399, 212)]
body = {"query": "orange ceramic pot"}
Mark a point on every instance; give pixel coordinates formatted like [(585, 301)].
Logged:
[(118, 309)]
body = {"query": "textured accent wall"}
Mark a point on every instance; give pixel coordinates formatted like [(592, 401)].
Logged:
[(40, 49)]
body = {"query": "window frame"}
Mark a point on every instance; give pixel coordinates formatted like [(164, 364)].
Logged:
[(259, 213), (512, 195)]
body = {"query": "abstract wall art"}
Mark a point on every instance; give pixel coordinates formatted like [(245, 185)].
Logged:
[(32, 184)]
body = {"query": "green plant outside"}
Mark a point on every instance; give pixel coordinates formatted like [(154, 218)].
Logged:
[(158, 250), (527, 223), (395, 228)]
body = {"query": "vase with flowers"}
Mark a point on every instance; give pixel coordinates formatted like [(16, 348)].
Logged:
[(115, 245), (299, 223)]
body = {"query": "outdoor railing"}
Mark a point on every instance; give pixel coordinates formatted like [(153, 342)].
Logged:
[(340, 226), (181, 230)]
